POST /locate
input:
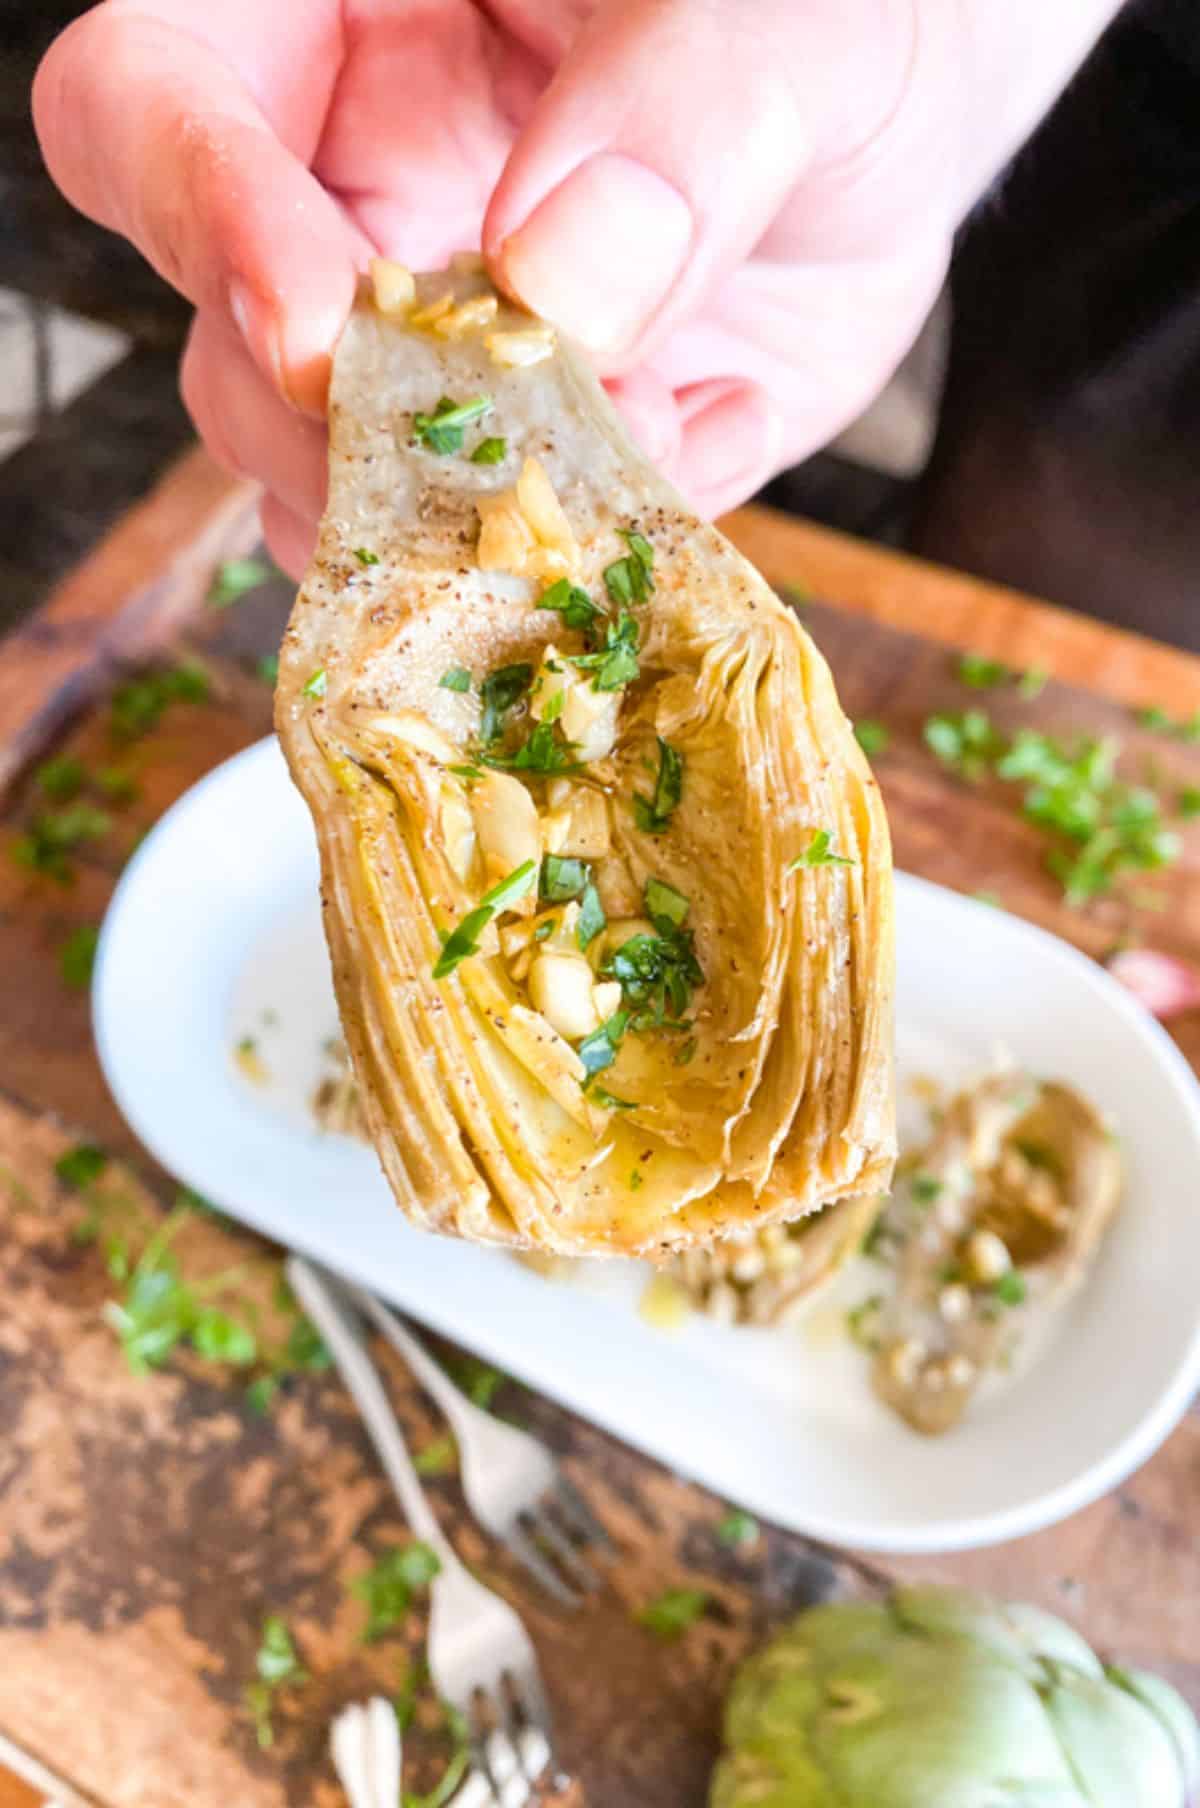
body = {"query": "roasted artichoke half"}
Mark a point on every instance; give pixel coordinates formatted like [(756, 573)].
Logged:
[(606, 879)]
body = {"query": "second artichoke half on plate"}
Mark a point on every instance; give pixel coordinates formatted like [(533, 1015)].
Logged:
[(607, 881)]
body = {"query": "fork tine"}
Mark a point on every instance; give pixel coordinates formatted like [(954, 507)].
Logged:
[(534, 1748), (528, 1555), (569, 1557), (475, 1791), (577, 1513), (509, 1782)]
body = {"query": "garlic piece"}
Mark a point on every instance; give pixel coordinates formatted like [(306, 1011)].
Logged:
[(607, 998), (954, 1303), (506, 823), (458, 830), (416, 730), (579, 824), (561, 988), (392, 286), (987, 1256), (524, 530), (460, 320), (588, 717), (529, 345), (506, 541), (433, 311)]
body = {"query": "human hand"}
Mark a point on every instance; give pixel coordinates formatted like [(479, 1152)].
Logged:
[(742, 207)]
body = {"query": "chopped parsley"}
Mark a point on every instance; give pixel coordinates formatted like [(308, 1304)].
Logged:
[(738, 1528), (442, 431), (1010, 1288), (138, 703), (631, 579), (670, 1614), (277, 1665), (438, 1457), (490, 452), (234, 578), (388, 1586), (455, 678), (862, 1321), (464, 940), (562, 878), (500, 693), (926, 1188), (652, 814), (1184, 729), (61, 778), (966, 742), (685, 1052), (365, 556), (635, 1181), (119, 787), (80, 1166), (982, 673), (573, 604), (657, 973), (599, 1050), (616, 664), (316, 685), (819, 852), (51, 836), (268, 668), (872, 737), (1188, 802), (545, 751), (591, 918), (77, 956), (1033, 682)]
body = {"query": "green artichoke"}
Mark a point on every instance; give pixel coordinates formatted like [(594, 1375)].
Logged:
[(943, 1699)]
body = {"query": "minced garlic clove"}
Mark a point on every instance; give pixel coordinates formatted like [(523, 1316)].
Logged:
[(392, 286), (528, 345)]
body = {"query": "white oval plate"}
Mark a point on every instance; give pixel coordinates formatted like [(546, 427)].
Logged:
[(215, 927)]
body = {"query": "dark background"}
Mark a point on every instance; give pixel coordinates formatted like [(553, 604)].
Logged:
[(1068, 447)]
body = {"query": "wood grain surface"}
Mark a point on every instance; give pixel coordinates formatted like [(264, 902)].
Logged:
[(148, 1523)]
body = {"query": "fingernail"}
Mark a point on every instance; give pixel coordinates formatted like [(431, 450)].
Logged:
[(730, 439), (601, 253), (255, 321)]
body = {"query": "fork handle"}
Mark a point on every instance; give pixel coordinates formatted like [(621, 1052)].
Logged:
[(323, 1301), (460, 1411)]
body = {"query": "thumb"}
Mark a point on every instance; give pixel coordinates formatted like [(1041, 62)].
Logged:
[(654, 162), (669, 140)]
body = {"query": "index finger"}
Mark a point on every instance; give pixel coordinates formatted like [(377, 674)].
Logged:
[(149, 131)]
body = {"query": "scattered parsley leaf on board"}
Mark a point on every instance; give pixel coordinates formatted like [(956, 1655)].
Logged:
[(1033, 682), (872, 737), (268, 668), (982, 673), (1188, 802), (278, 1666), (438, 1457), (738, 1528), (670, 1614), (61, 778), (234, 578), (77, 957), (388, 1586), (79, 1166)]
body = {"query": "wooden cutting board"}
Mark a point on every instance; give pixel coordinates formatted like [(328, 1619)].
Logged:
[(148, 1523)]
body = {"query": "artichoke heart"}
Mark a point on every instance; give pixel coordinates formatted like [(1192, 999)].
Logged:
[(606, 878)]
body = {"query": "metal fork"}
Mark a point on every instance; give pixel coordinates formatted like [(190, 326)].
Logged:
[(480, 1657), (512, 1484)]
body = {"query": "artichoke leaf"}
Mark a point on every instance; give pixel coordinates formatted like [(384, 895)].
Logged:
[(754, 1085)]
